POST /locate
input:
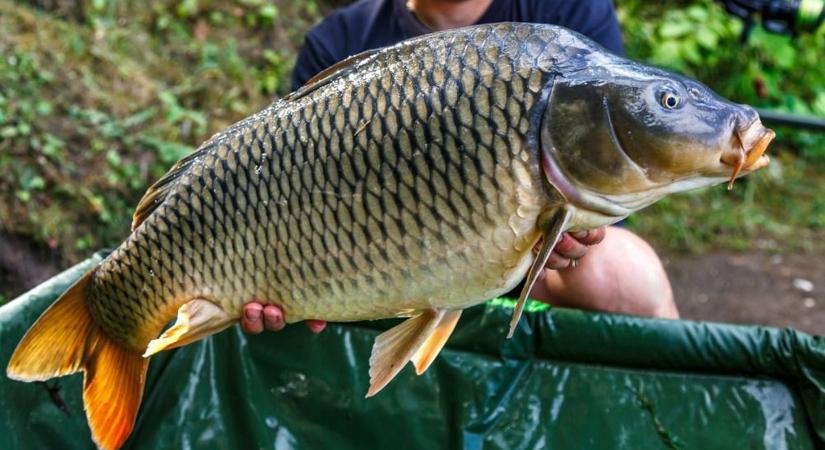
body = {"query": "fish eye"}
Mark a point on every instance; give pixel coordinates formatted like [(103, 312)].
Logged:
[(669, 100)]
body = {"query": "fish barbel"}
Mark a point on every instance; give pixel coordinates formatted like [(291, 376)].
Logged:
[(411, 181)]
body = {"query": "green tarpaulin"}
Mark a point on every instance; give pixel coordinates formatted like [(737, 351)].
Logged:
[(567, 380)]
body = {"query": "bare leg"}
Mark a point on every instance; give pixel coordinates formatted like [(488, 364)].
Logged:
[(622, 274)]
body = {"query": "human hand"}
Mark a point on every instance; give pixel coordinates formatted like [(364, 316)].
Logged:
[(571, 247), (256, 317)]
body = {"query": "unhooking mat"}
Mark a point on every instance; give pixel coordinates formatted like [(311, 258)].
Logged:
[(567, 380)]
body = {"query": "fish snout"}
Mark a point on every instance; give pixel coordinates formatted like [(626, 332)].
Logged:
[(750, 141), (755, 140)]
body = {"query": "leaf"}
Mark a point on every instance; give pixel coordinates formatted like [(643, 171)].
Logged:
[(36, 182), (698, 13), (268, 12), (668, 54), (43, 107), (690, 51), (187, 8), (818, 105), (707, 38), (675, 29), (53, 145), (784, 56), (9, 131), (168, 151)]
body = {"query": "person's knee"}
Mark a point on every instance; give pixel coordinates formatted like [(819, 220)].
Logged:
[(622, 274), (644, 286)]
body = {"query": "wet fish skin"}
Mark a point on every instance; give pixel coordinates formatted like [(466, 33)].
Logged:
[(407, 185)]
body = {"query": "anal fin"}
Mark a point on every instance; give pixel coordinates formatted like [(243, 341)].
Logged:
[(196, 320), (425, 355), (418, 338), (555, 228)]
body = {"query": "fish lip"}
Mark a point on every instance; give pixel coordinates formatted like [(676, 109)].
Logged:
[(757, 150), (753, 142)]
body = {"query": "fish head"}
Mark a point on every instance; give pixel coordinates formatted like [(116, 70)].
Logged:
[(617, 137)]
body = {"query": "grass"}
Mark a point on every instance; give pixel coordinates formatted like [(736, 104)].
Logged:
[(97, 103)]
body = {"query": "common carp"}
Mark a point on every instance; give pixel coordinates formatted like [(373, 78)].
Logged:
[(411, 181)]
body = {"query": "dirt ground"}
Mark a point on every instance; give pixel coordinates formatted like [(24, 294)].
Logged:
[(23, 265), (751, 288), (744, 288)]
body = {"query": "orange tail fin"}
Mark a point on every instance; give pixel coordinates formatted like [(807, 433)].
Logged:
[(65, 340)]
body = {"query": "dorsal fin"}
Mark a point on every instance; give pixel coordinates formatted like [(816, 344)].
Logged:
[(157, 192), (332, 72)]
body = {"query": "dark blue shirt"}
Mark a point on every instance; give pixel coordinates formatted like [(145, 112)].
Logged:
[(369, 24)]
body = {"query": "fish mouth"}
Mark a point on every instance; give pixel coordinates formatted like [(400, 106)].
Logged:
[(755, 138)]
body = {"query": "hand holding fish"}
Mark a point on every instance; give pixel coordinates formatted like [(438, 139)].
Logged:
[(258, 316), (572, 247)]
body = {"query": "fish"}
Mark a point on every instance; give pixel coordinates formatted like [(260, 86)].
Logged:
[(411, 181)]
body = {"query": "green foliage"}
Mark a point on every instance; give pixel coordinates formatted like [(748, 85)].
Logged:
[(99, 98), (22, 113), (779, 208)]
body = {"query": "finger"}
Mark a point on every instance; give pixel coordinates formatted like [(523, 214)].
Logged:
[(570, 248), (557, 262), (251, 318), (590, 237), (273, 318), (316, 326)]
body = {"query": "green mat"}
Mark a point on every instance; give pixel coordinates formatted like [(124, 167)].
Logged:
[(567, 380)]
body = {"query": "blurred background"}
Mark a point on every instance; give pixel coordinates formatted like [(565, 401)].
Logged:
[(98, 98)]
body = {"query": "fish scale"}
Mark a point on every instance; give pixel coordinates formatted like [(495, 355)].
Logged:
[(404, 186)]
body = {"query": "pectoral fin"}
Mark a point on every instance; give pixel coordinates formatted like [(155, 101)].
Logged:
[(555, 228), (196, 319), (419, 338)]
